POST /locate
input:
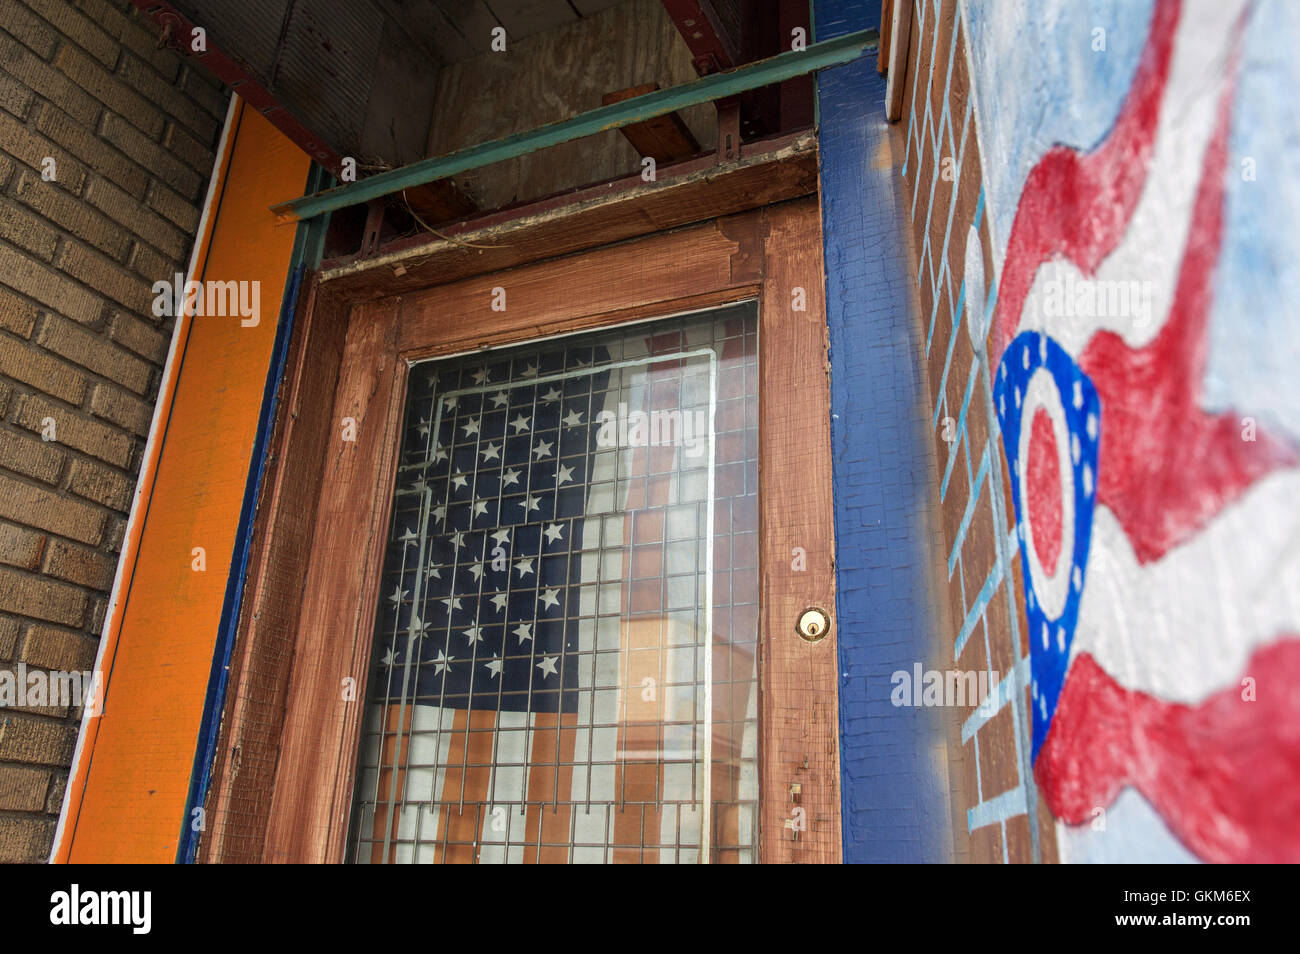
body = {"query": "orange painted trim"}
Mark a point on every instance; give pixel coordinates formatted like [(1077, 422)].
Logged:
[(129, 781)]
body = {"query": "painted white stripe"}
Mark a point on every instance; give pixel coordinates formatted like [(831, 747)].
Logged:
[(1185, 626)]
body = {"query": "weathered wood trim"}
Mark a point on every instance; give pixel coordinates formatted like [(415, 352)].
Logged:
[(313, 786), (764, 252), (695, 191), (798, 688)]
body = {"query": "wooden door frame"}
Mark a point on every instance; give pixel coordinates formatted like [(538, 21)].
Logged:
[(283, 781)]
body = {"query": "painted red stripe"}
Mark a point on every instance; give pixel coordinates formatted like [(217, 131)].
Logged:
[(1224, 774)]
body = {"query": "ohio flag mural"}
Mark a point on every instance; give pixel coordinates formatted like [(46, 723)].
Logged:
[(1152, 436)]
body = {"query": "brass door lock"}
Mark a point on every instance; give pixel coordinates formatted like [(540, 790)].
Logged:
[(814, 623)]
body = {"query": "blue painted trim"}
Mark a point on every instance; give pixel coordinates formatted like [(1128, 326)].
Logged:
[(306, 254)]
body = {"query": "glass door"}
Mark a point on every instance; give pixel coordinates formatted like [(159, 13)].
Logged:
[(565, 650)]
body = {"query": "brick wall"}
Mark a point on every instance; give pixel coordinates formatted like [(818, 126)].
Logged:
[(943, 190), (131, 131)]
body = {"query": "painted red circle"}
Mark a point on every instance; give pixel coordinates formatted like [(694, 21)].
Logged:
[(1043, 489)]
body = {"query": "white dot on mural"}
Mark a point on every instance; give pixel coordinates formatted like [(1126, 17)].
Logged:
[(1044, 635), (1060, 638), (1018, 397), (1078, 579), (1087, 480), (1042, 706), (1034, 687), (1078, 395), (1042, 348), (1092, 427), (1074, 448), (1024, 357)]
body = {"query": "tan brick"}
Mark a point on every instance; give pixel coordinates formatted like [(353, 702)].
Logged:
[(171, 100), (141, 337), (104, 486), (110, 91), (24, 26), (57, 649), (207, 90), (25, 840), (20, 547), (44, 372), (16, 315), (46, 510), (31, 149), (79, 28), (47, 286), (131, 212), (169, 204), (23, 789), (153, 267), (36, 74), (194, 153), (94, 353), (14, 97), (93, 151), (151, 155), (72, 214), (32, 457), (54, 797), (6, 167), (27, 231), (8, 636), (105, 276), (74, 564), (44, 599), (139, 36), (34, 742), (123, 409), (75, 430)]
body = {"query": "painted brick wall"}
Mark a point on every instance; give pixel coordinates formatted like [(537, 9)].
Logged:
[(942, 186), (131, 131), (897, 766)]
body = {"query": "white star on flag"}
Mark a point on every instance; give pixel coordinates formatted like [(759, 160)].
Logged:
[(573, 418), (520, 424), (563, 475), (551, 396), (470, 426), (492, 452), (554, 532), (523, 631), (524, 566), (500, 399), (549, 598), (481, 376), (398, 595), (511, 476), (442, 663), (530, 503), (493, 666), (547, 666), (542, 449)]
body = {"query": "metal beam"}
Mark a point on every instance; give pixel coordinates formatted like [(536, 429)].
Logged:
[(660, 102)]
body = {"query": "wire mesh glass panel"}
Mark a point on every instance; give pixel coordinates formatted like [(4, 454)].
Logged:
[(564, 664)]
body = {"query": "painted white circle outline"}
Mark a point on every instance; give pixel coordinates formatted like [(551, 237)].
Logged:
[(1053, 590)]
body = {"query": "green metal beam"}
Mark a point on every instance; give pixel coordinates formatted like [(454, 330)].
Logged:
[(660, 102)]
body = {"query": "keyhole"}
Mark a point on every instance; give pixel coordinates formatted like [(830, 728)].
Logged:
[(813, 629)]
